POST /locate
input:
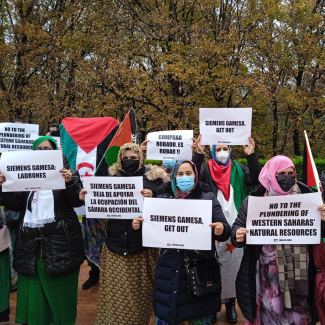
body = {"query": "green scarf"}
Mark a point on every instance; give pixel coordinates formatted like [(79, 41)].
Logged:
[(238, 183), (42, 139)]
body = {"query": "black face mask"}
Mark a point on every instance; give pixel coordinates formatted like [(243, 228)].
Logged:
[(286, 182), (130, 166)]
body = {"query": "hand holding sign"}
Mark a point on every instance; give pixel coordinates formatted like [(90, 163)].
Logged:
[(146, 193), (250, 148), (241, 234), (197, 146), (2, 179), (82, 195), (66, 174), (218, 228), (136, 223), (321, 208), (143, 147)]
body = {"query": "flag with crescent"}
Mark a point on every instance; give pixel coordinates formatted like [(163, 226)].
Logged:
[(84, 143)]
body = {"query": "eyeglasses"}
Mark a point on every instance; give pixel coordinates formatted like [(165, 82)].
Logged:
[(283, 177), (46, 148)]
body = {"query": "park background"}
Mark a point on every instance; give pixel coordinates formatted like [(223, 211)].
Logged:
[(82, 58)]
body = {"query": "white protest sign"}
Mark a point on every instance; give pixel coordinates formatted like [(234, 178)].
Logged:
[(32, 171), (170, 145), (287, 219), (182, 224), (17, 136), (231, 126), (113, 197)]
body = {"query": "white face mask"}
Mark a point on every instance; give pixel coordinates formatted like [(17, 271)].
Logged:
[(222, 156)]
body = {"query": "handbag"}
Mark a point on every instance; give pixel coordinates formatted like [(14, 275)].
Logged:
[(204, 277), (12, 218)]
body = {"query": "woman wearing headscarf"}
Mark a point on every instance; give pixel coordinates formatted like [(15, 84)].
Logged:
[(172, 302), (48, 248), (5, 278), (263, 291), (127, 268), (228, 180)]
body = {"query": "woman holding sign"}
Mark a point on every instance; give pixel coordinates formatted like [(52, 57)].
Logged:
[(267, 292), (127, 268), (48, 249), (228, 181), (173, 303)]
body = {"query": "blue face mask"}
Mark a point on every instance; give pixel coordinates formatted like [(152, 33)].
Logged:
[(185, 183), (169, 164)]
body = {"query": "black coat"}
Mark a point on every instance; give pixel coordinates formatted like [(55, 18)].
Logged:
[(246, 277), (171, 300), (121, 238), (251, 172), (60, 242)]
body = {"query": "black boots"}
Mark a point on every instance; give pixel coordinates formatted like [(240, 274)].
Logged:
[(231, 311), (93, 278), (214, 318)]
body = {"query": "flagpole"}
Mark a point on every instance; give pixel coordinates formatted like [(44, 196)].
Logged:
[(313, 163)]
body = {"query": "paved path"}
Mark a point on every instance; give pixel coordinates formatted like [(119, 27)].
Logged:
[(87, 303)]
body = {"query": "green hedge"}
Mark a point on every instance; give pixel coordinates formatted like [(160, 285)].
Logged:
[(298, 161), (152, 162)]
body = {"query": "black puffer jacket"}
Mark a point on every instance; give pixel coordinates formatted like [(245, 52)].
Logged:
[(246, 277), (60, 242), (251, 172), (121, 238), (172, 302)]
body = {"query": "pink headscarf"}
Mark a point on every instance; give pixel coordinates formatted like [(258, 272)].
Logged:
[(267, 175)]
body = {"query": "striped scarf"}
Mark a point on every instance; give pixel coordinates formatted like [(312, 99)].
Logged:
[(293, 269)]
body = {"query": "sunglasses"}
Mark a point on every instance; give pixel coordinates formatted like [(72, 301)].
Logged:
[(44, 148)]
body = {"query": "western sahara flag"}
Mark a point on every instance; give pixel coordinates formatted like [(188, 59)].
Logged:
[(230, 256), (85, 141)]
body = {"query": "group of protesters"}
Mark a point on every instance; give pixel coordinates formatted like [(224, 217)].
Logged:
[(136, 281)]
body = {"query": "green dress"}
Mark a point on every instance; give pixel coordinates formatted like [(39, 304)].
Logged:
[(5, 285), (50, 300)]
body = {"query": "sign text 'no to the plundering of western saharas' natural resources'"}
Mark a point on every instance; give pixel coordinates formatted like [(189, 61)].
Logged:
[(17, 136), (289, 219)]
